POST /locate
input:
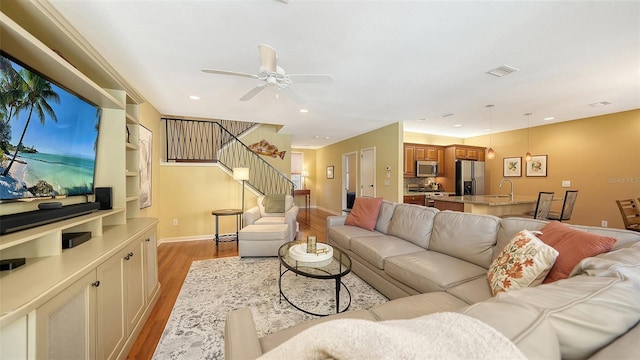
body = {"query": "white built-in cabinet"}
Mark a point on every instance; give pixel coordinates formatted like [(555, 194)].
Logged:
[(89, 301)]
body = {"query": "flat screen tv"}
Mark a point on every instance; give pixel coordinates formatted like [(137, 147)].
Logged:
[(48, 136)]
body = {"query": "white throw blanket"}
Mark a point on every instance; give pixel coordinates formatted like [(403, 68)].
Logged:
[(437, 336)]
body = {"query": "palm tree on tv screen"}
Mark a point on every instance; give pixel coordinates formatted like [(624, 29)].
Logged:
[(34, 94)]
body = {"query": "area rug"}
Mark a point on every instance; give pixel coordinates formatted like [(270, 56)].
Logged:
[(212, 288)]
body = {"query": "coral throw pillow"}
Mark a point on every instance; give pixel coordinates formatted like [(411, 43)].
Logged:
[(364, 213), (573, 246), (524, 261)]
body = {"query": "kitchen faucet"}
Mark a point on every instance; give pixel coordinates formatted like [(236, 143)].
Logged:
[(510, 182)]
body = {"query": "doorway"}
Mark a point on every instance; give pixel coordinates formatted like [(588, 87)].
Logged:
[(368, 172), (349, 179)]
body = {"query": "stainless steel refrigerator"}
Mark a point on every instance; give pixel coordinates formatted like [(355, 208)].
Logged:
[(469, 177)]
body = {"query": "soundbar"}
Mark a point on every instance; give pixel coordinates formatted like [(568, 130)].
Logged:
[(21, 221)]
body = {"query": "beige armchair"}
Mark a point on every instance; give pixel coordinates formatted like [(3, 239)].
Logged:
[(257, 215)]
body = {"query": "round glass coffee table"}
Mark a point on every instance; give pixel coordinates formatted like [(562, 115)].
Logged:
[(333, 268)]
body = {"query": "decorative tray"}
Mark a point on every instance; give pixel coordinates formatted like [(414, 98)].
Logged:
[(299, 252)]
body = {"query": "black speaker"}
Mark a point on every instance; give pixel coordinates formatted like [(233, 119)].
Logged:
[(104, 196)]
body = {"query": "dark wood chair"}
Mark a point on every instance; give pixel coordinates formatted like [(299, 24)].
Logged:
[(570, 197), (630, 214), (543, 207)]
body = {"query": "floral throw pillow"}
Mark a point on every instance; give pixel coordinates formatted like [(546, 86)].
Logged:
[(524, 261)]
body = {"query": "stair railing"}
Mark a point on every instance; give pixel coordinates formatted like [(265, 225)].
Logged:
[(209, 141)]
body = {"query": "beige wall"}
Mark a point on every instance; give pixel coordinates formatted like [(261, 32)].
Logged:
[(599, 155), (386, 140), (281, 141), (411, 137)]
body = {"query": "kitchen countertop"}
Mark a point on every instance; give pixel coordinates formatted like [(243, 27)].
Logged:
[(490, 200)]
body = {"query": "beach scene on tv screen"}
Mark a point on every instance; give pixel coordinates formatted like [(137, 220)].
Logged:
[(48, 137)]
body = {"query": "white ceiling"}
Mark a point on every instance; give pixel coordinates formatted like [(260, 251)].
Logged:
[(391, 60)]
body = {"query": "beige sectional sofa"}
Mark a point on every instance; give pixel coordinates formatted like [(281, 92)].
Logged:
[(431, 261)]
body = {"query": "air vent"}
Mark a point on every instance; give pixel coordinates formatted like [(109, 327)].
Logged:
[(600, 103), (446, 115), (503, 70)]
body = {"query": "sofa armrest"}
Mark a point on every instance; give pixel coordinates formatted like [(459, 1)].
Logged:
[(240, 336), (250, 216), (336, 220), (291, 219)]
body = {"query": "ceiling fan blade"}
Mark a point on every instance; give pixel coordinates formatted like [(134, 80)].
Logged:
[(268, 57), (233, 73), (311, 78), (292, 94), (253, 92)]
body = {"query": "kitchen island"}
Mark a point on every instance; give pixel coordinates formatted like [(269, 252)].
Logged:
[(497, 205)]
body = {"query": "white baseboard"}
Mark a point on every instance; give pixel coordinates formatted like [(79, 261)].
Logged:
[(190, 238)]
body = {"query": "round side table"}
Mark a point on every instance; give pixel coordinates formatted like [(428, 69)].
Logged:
[(226, 212)]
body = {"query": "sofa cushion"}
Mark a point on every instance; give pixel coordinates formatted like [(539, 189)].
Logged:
[(274, 203), (524, 325), (342, 234), (509, 227), (473, 291), (625, 261), (364, 213), (384, 217), (586, 312), (271, 220), (413, 223), (573, 245), (416, 305), (470, 237), (288, 204), (374, 249), (525, 261), (429, 271)]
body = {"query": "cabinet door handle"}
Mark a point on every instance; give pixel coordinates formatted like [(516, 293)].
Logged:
[(95, 284), (147, 239), (129, 256)]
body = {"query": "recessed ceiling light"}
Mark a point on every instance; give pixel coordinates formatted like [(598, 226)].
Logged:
[(304, 110), (457, 125), (549, 118), (316, 137), (194, 97), (326, 138), (421, 120)]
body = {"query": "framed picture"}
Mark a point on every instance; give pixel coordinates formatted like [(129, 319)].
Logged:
[(145, 145), (512, 166), (537, 166), (330, 172)]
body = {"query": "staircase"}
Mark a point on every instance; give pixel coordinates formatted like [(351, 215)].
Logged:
[(212, 141)]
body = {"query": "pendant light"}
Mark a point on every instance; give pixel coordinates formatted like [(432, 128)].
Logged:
[(527, 156), (490, 153)]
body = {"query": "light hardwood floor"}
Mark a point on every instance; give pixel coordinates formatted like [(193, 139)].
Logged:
[(174, 261)]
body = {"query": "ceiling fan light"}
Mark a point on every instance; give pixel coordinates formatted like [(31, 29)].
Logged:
[(491, 154)]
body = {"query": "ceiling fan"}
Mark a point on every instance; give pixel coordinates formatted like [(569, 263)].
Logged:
[(273, 75)]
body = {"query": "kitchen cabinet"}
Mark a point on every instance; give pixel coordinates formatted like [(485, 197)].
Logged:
[(419, 152), (414, 199), (463, 152), (409, 160)]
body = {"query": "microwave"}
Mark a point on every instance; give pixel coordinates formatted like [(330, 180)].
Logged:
[(427, 168)]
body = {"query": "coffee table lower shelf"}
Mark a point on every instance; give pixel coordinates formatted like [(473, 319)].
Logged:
[(339, 284)]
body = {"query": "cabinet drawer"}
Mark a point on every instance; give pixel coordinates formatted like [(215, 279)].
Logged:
[(414, 199)]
